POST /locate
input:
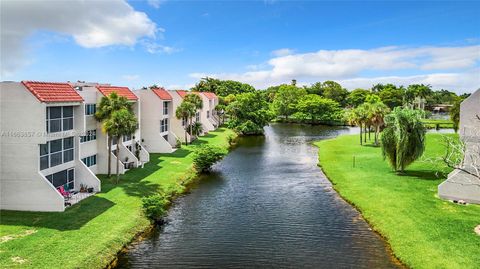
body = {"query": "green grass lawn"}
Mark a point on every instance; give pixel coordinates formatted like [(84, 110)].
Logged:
[(423, 231), (89, 234), (442, 124)]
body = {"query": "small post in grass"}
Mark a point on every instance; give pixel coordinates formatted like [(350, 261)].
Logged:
[(353, 161)]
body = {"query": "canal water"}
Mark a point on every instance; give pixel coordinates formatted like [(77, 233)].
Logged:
[(266, 205)]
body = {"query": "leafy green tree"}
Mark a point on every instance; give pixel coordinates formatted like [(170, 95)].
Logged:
[(333, 90), (377, 112), (317, 108), (185, 111), (205, 156), (106, 107), (249, 113), (222, 87), (359, 117), (122, 122), (391, 95), (403, 139), (315, 88), (357, 97), (286, 99)]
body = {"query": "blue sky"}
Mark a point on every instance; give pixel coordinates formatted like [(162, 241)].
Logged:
[(174, 43)]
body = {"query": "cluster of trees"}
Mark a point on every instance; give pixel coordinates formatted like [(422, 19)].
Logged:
[(118, 120), (186, 111)]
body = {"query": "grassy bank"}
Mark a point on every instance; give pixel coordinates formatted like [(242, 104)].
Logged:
[(89, 234), (423, 231)]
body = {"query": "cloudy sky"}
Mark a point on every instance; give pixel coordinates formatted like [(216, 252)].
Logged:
[(174, 43)]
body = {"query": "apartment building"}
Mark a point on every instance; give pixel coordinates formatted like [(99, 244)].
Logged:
[(39, 146), (156, 121), (94, 145), (208, 114)]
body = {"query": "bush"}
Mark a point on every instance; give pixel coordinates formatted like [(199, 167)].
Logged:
[(154, 206), (207, 155), (231, 139)]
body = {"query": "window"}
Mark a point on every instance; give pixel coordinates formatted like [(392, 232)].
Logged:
[(59, 118), (91, 135), (64, 178), (165, 107), (90, 160), (164, 125), (127, 138), (165, 137), (184, 122), (90, 109), (56, 152), (197, 116), (208, 114), (210, 103)]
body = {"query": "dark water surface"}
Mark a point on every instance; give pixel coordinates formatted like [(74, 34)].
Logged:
[(267, 205)]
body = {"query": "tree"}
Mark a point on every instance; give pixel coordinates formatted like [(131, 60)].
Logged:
[(318, 108), (249, 113), (222, 87), (184, 111), (403, 139), (333, 90), (455, 114), (315, 88), (286, 100), (391, 95), (197, 103), (106, 107), (358, 116), (357, 97), (205, 156), (376, 114), (122, 122)]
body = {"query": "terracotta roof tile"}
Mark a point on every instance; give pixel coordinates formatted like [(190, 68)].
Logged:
[(50, 92), (121, 91), (210, 95), (162, 93)]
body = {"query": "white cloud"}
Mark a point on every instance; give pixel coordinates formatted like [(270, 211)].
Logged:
[(453, 64), (154, 3), (91, 24), (131, 77), (154, 48), (282, 52)]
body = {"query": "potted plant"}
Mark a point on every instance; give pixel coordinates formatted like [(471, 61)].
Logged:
[(83, 188), (90, 189)]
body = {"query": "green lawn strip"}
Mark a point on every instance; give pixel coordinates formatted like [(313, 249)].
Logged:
[(89, 234), (442, 124), (423, 231)]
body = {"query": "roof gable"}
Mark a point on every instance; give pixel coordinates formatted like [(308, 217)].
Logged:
[(162, 93), (51, 92), (209, 95), (121, 91)]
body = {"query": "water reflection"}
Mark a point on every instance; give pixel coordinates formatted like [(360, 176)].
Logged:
[(266, 205)]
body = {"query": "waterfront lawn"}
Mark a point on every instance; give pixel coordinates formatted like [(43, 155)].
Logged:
[(89, 234), (423, 231)]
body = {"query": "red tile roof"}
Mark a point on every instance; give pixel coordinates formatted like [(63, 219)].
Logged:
[(50, 92), (162, 93), (210, 95), (121, 91), (182, 93)]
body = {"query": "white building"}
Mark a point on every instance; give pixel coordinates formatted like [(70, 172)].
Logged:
[(157, 114), (208, 115), (94, 146), (39, 146)]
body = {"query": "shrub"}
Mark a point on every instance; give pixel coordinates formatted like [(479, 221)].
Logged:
[(154, 206), (231, 139), (207, 155), (403, 139)]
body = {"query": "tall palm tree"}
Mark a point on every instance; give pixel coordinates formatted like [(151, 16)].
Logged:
[(184, 111), (377, 114), (106, 107), (197, 103), (122, 122)]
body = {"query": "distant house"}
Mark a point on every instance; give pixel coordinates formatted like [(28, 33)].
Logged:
[(156, 120), (208, 114), (39, 149)]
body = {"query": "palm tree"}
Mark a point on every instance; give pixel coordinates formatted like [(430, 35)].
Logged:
[(357, 117), (403, 139), (197, 103), (184, 111), (377, 114), (105, 109), (122, 122)]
